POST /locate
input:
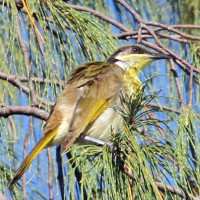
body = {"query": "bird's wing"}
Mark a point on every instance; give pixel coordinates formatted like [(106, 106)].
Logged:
[(85, 113), (99, 86)]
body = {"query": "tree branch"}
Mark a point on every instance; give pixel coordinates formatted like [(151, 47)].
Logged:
[(27, 63), (14, 81), (50, 175), (17, 80), (6, 111), (60, 176)]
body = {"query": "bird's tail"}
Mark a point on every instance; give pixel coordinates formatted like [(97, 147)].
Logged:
[(36, 150)]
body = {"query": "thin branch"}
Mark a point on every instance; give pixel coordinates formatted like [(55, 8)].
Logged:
[(190, 88), (6, 111), (164, 107), (186, 26), (17, 82), (40, 42), (60, 176), (174, 71), (171, 29), (163, 26), (40, 80), (145, 35), (50, 175), (139, 35), (14, 81), (27, 63), (136, 16), (170, 52)]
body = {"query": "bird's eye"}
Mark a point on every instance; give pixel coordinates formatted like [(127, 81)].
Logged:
[(135, 50)]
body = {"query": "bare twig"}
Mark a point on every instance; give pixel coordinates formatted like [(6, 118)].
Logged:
[(14, 81), (171, 29), (60, 176), (186, 26), (170, 52), (50, 176), (132, 11), (163, 26), (190, 88), (6, 111), (145, 35), (174, 71), (17, 80), (40, 41), (139, 35), (27, 63)]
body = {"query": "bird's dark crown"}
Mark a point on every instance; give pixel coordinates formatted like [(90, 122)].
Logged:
[(129, 49)]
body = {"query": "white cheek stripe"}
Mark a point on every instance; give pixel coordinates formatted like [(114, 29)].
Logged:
[(124, 65)]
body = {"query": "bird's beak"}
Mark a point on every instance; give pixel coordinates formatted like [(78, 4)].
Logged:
[(157, 56)]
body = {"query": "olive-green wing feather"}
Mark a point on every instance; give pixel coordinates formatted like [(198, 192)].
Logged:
[(100, 84), (85, 113)]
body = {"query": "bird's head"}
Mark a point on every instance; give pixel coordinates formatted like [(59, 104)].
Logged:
[(134, 56)]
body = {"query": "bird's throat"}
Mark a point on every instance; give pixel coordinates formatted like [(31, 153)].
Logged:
[(131, 80)]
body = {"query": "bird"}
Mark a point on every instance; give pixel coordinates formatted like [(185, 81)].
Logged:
[(84, 111)]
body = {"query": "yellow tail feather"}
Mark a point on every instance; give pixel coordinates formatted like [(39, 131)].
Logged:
[(36, 150)]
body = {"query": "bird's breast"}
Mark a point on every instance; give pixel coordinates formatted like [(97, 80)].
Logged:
[(131, 81), (107, 123)]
